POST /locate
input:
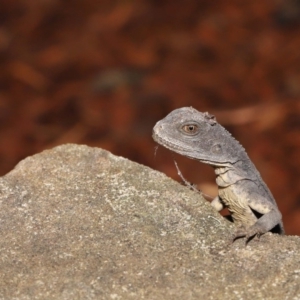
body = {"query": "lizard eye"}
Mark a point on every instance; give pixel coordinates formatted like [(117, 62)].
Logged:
[(190, 128)]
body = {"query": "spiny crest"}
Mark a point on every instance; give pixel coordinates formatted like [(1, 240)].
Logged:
[(242, 148), (211, 119)]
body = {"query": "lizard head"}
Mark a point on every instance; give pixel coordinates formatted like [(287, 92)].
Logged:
[(197, 135)]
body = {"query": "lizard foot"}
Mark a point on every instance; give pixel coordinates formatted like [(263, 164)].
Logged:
[(248, 233)]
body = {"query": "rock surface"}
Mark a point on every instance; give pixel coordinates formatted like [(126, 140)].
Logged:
[(80, 223)]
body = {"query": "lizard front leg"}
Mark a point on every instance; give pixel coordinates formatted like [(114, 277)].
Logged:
[(269, 219), (217, 203)]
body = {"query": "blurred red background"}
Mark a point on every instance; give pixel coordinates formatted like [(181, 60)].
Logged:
[(102, 73)]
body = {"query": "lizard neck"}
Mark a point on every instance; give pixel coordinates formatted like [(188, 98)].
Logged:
[(224, 176), (229, 174)]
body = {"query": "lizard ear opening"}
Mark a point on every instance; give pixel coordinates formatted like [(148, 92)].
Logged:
[(217, 149)]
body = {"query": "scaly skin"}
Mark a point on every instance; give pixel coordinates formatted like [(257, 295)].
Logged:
[(198, 136)]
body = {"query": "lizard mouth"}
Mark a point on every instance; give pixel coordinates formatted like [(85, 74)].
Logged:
[(185, 151), (171, 145)]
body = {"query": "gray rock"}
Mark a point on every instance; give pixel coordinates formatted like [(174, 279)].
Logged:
[(80, 223)]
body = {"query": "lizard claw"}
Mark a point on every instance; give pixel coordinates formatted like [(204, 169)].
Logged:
[(248, 233), (238, 234)]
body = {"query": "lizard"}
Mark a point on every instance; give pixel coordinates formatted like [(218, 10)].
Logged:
[(241, 189)]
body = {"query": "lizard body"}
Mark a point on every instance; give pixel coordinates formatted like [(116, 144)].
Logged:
[(198, 136)]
